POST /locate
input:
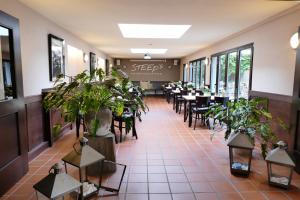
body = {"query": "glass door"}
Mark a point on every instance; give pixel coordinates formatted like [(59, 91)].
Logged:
[(231, 74), (202, 75), (198, 74), (245, 64), (221, 75), (213, 74)]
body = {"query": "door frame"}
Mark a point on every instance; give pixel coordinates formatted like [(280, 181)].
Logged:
[(16, 168)]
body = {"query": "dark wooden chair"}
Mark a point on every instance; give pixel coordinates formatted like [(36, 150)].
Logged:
[(201, 107), (127, 116), (180, 100)]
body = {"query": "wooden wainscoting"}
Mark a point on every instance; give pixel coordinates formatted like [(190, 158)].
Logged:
[(281, 107), (37, 140)]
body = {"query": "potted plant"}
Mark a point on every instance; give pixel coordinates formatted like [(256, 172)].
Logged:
[(249, 117), (132, 95), (87, 95), (205, 90), (190, 85)]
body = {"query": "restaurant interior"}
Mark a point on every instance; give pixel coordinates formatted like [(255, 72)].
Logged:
[(150, 100)]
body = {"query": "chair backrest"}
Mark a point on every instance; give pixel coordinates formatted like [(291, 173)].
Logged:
[(184, 92), (221, 100), (202, 101)]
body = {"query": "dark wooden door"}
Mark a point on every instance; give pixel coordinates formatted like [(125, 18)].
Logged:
[(296, 112), (13, 139)]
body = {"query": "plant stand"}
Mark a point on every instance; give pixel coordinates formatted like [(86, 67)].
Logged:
[(106, 146)]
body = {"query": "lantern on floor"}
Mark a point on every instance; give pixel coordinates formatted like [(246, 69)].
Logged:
[(280, 166), (57, 184), (240, 153), (81, 158)]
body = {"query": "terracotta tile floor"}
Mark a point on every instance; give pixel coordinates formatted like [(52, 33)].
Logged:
[(169, 161)]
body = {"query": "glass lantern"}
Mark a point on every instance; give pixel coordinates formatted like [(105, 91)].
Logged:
[(280, 166), (57, 184), (81, 158), (240, 153)]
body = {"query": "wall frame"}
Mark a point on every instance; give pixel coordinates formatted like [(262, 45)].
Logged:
[(93, 62), (56, 50)]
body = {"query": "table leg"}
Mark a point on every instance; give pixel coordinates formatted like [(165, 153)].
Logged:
[(174, 101), (190, 114), (184, 111)]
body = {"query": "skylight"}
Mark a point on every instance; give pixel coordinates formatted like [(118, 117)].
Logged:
[(153, 31), (151, 51)]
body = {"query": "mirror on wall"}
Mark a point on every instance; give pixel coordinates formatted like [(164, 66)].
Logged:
[(6, 71)]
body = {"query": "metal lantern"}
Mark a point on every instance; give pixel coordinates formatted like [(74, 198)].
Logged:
[(240, 153), (280, 166), (81, 158), (57, 184)]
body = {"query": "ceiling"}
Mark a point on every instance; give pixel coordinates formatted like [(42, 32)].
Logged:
[(96, 21)]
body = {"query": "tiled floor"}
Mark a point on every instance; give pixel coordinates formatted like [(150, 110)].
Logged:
[(169, 161)]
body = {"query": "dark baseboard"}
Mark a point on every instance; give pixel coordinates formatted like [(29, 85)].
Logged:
[(37, 150)]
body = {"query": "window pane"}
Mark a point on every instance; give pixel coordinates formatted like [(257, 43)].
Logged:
[(213, 74), (6, 79), (244, 75), (221, 82), (191, 72), (202, 80), (194, 73), (231, 74), (198, 74)]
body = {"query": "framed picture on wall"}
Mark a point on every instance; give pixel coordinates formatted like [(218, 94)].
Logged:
[(93, 61), (56, 56)]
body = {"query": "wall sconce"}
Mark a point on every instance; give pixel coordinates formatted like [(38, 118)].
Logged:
[(294, 41), (85, 57)]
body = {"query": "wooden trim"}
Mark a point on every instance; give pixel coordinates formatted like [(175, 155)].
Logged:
[(33, 98), (277, 97), (246, 46)]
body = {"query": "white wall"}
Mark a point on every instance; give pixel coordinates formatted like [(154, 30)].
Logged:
[(274, 60), (34, 30)]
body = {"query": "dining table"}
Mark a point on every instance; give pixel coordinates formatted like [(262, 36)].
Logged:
[(189, 99)]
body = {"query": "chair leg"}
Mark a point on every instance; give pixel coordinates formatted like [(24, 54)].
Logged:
[(180, 107), (195, 121)]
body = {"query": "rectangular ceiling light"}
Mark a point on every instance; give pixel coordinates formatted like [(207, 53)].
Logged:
[(151, 51), (153, 31)]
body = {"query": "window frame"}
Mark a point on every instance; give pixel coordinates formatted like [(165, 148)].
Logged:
[(226, 53)]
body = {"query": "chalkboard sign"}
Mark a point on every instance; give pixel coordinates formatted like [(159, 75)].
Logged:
[(151, 70)]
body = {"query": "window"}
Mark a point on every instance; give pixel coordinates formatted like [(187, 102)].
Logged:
[(202, 75), (185, 72), (221, 74), (245, 72), (213, 72), (7, 81), (231, 72), (198, 72)]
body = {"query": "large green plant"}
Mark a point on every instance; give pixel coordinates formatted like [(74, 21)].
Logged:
[(249, 117), (132, 95), (86, 94)]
